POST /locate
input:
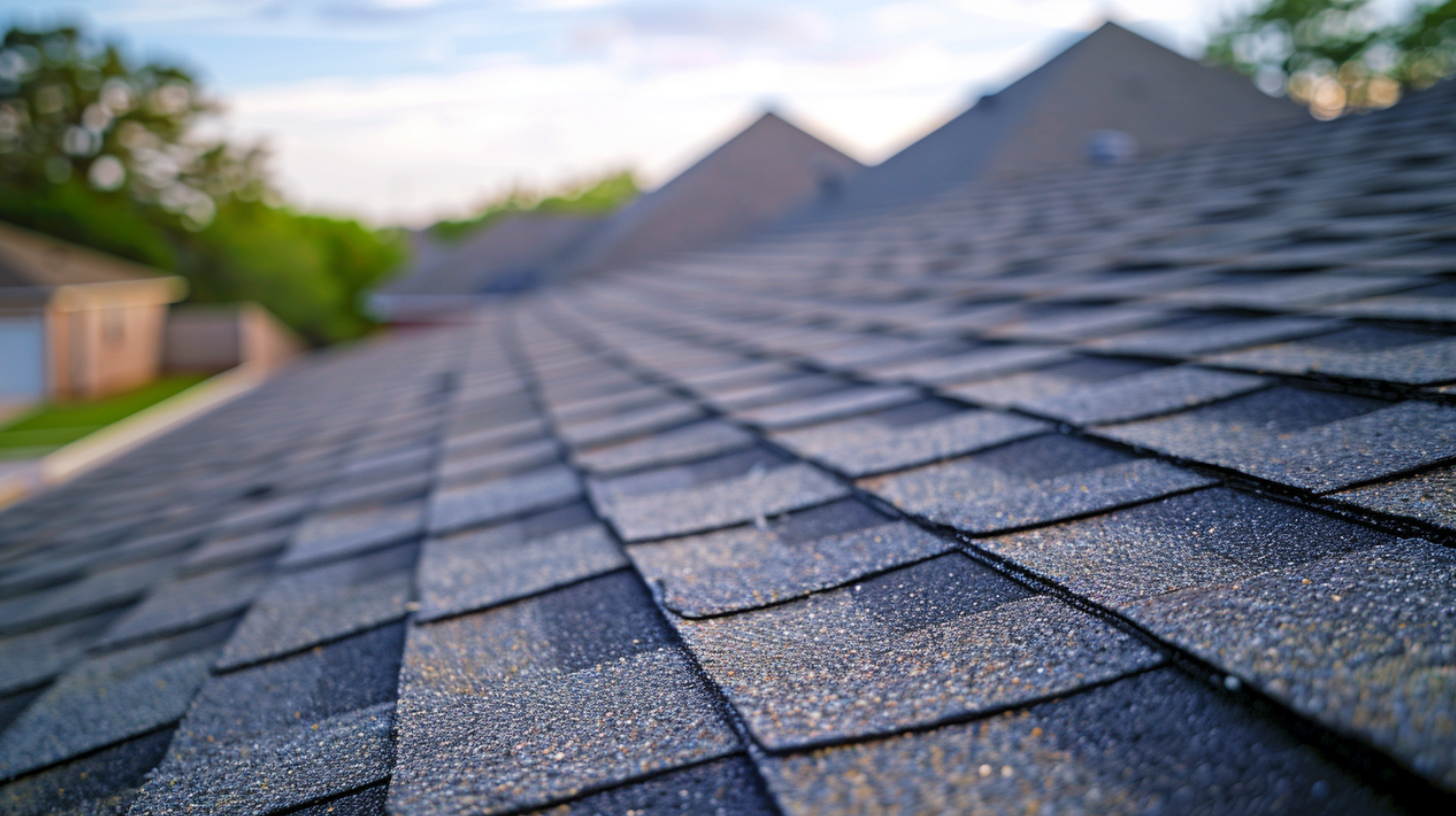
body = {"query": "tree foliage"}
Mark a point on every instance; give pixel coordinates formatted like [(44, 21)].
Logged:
[(1339, 56), (107, 153), (594, 197)]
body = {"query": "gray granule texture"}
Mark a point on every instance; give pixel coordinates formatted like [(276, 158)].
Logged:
[(630, 424), (314, 724), (224, 551), (1429, 496), (31, 658), (795, 555), (875, 349), (757, 494), (367, 802), (262, 515), (723, 787), (1364, 642), (1160, 391), (271, 771), (693, 474), (861, 447), (476, 467), (940, 639), (1076, 323), (337, 535), (485, 568), (973, 365), (1283, 293), (151, 546), (847, 402), (1036, 481), (365, 492), (747, 398), (1277, 435), (545, 699), (1205, 538), (748, 371), (575, 408), (503, 498), (490, 438), (1389, 356), (667, 448), (301, 609), (1183, 342), (188, 602), (1412, 306), (1153, 743), (1033, 386), (95, 592), (101, 701), (102, 784)]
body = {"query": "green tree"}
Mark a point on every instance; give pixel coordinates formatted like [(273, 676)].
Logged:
[(598, 196), (103, 152), (1339, 56)]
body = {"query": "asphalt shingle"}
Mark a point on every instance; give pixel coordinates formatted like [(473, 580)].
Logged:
[(110, 698), (677, 446), (1428, 496), (789, 556), (29, 659), (1312, 440), (1159, 391), (1204, 538), (1153, 743), (503, 499), (1364, 642), (328, 711), (1366, 353), (824, 407), (903, 437), (306, 608), (1199, 336), (487, 567), (941, 639), (102, 784), (339, 535), (190, 602), (719, 492), (587, 681), (1035, 481)]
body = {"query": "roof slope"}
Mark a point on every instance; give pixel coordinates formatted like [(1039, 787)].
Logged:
[(1123, 490), (511, 254), (767, 170), (1112, 79), (30, 259)]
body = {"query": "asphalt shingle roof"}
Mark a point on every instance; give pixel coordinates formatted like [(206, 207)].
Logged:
[(956, 508)]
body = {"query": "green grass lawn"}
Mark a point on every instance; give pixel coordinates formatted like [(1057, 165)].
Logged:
[(55, 425)]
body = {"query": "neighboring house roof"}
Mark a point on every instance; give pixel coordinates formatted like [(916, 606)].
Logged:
[(769, 169), (33, 266), (1128, 490), (1110, 80), (511, 255), (765, 171)]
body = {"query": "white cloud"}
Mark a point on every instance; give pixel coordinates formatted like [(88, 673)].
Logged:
[(413, 148)]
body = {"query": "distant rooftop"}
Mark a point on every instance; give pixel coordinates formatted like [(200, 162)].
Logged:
[(1111, 84)]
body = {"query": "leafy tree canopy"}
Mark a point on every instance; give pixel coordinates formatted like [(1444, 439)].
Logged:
[(598, 196), (1339, 56), (102, 151)]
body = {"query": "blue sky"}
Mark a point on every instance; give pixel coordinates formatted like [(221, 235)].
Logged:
[(404, 110)]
